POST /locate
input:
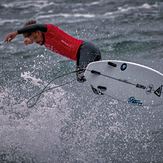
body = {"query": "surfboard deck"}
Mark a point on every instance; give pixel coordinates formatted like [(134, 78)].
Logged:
[(126, 81)]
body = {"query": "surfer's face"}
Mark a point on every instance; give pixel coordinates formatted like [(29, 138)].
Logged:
[(35, 37), (38, 37)]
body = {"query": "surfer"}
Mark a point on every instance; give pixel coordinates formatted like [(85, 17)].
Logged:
[(58, 41)]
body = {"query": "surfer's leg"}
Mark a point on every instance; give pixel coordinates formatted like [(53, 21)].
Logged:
[(86, 54)]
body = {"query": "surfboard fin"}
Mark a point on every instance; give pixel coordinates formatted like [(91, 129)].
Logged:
[(102, 88), (96, 91), (95, 72), (112, 64)]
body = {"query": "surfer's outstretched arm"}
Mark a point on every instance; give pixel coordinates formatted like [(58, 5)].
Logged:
[(10, 36), (26, 31), (33, 28)]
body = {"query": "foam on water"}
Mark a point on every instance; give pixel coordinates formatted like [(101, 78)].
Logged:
[(124, 9), (107, 15), (33, 129), (72, 17), (25, 4), (66, 15), (71, 124), (27, 76), (3, 21)]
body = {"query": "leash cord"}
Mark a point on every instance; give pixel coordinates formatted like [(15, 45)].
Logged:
[(38, 95)]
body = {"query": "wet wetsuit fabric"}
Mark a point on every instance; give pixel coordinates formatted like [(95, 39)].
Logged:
[(60, 42), (56, 39), (87, 53), (33, 28)]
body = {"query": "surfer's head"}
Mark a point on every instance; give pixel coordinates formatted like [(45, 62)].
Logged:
[(33, 37)]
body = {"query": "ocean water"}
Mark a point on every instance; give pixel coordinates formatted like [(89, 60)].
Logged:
[(70, 124)]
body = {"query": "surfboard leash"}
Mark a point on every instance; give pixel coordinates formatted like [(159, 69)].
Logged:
[(45, 89)]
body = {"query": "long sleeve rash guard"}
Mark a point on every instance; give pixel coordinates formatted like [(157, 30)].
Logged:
[(56, 39)]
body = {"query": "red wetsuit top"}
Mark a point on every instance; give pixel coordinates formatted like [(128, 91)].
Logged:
[(62, 43), (55, 39)]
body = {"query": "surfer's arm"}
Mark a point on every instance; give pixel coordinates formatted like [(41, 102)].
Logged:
[(10, 36), (26, 30), (33, 28)]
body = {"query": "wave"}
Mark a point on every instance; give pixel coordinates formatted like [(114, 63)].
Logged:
[(67, 15), (131, 8), (26, 4), (41, 4), (119, 11), (3, 21), (72, 17), (93, 3)]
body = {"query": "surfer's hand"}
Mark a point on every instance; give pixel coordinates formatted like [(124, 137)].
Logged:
[(10, 36), (28, 41)]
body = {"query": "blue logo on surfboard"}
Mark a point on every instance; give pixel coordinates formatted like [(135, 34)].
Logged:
[(134, 101)]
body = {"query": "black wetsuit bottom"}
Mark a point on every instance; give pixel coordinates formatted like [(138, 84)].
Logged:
[(87, 53)]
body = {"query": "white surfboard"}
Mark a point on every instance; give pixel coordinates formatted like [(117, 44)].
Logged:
[(126, 81)]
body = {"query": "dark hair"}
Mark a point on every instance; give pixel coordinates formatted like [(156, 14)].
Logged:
[(30, 22)]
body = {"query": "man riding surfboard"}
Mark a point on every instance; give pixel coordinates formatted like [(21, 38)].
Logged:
[(58, 41)]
